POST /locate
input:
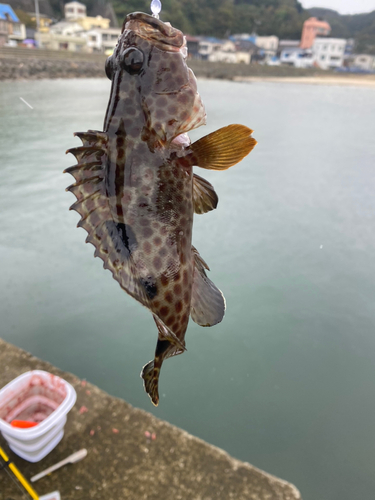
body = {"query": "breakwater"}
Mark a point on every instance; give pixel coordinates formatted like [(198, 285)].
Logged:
[(31, 64), (123, 461), (21, 64)]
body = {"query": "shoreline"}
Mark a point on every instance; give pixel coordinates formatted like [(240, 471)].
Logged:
[(359, 82), (25, 64), (367, 81)]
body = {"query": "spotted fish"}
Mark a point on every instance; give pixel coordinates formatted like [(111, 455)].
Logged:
[(135, 187)]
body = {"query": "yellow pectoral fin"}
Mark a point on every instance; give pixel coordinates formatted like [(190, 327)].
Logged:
[(223, 148)]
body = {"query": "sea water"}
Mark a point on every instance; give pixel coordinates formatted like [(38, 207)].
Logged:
[(287, 380)]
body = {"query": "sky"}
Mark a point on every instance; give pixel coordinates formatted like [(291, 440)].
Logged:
[(342, 6)]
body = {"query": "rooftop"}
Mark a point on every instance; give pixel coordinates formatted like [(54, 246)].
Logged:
[(7, 11), (75, 3)]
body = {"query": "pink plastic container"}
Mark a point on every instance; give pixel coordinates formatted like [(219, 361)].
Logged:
[(37, 396)]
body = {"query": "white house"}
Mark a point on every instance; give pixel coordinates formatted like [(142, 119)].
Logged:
[(11, 29), (64, 36), (288, 44), (102, 40), (364, 61), (329, 52), (215, 50), (269, 45), (243, 57), (66, 28), (207, 46), (55, 41), (74, 10), (225, 51), (299, 58)]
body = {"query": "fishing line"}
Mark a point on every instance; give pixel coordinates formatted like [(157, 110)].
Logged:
[(27, 104)]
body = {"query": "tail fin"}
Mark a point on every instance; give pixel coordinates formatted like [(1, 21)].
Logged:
[(150, 376)]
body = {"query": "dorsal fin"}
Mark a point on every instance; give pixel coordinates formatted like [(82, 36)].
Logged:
[(113, 241), (92, 138), (207, 301)]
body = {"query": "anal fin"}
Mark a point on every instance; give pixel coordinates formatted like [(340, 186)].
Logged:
[(207, 301), (204, 196)]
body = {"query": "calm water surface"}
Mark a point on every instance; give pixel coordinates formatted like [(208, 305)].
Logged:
[(287, 381)]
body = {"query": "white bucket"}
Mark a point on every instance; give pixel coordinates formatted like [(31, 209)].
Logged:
[(35, 396)]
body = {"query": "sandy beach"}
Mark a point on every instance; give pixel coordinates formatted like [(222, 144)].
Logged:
[(353, 81)]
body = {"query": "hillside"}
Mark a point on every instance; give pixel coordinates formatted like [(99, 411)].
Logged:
[(361, 27), (283, 18)]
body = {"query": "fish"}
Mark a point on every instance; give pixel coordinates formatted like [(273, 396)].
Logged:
[(135, 188)]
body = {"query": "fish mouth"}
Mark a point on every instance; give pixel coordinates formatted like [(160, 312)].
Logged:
[(162, 35)]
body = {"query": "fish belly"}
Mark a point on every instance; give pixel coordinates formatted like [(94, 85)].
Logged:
[(154, 208)]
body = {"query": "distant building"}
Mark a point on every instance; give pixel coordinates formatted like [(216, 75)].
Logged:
[(66, 28), (312, 28), (364, 62), (297, 57), (207, 46), (329, 52), (102, 40), (74, 10), (243, 57), (60, 41), (269, 45), (350, 45), (64, 35), (215, 50), (287, 45), (3, 31), (90, 23), (246, 47), (193, 47), (224, 51), (44, 22), (10, 26), (243, 36)]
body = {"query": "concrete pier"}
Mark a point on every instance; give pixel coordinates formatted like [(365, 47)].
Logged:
[(122, 462)]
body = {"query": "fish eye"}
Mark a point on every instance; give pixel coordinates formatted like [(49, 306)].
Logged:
[(109, 67), (132, 60)]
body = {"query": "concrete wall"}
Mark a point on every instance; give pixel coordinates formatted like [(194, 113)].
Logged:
[(122, 463)]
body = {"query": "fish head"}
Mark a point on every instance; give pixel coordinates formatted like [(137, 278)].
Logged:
[(151, 83)]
